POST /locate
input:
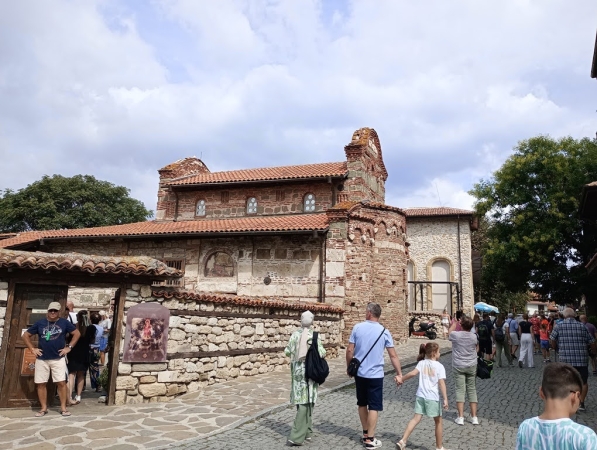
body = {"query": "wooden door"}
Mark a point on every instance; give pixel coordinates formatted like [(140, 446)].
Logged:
[(30, 305)]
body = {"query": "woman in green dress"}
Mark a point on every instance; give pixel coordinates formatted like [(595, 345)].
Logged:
[(303, 393)]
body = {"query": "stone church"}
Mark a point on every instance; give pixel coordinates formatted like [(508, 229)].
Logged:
[(314, 233)]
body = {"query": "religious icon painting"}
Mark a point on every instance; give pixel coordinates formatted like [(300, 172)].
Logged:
[(146, 338)]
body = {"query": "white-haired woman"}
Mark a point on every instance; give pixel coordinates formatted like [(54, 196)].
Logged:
[(303, 393)]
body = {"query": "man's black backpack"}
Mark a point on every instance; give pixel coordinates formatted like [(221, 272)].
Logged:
[(484, 368), (316, 368), (499, 334), (483, 331)]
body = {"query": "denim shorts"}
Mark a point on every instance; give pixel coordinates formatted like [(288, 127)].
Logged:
[(545, 345), (370, 392)]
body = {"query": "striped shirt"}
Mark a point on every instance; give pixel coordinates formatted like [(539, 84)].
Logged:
[(560, 434), (573, 339)]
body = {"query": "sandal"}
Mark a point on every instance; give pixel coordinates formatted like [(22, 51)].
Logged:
[(401, 445), (41, 413), (64, 413)]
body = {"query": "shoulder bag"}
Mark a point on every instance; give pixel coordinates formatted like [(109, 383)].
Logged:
[(353, 366)]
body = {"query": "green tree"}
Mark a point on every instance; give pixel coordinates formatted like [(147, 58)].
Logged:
[(535, 239), (59, 202)]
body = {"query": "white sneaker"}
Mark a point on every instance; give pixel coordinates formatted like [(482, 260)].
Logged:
[(373, 443), (474, 421), (459, 420)]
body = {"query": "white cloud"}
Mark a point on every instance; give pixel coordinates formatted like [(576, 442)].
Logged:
[(118, 89)]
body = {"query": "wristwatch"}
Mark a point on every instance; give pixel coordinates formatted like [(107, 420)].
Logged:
[(69, 346)]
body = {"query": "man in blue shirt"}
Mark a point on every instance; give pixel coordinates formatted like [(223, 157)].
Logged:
[(369, 379), (50, 355)]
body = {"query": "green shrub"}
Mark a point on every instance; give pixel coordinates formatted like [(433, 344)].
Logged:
[(103, 379)]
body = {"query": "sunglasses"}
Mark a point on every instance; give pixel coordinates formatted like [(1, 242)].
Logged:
[(52, 310)]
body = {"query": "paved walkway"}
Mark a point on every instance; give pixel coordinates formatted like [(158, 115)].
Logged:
[(505, 400), (190, 418)]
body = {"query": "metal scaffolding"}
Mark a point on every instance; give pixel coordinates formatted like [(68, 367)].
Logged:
[(455, 291)]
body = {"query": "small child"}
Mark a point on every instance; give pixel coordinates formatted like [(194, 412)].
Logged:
[(544, 338), (560, 392), (432, 375)]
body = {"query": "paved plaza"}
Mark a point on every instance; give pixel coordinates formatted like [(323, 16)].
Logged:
[(155, 425), (504, 401)]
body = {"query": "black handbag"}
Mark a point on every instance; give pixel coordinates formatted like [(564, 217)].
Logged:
[(354, 364)]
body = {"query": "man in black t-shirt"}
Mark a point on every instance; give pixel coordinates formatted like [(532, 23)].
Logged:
[(50, 355), (486, 333)]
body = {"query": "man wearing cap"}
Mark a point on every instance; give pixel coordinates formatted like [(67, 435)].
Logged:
[(52, 349)]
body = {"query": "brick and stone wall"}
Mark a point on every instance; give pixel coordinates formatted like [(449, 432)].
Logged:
[(433, 239), (218, 340), (91, 297), (428, 316), (3, 300)]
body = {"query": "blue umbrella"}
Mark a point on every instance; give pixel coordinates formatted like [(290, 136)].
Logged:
[(484, 307)]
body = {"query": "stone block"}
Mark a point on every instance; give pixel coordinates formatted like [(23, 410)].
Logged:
[(3, 285), (152, 390), (155, 367), (259, 328), (176, 334), (3, 295), (119, 397), (131, 293), (126, 383), (247, 331), (174, 321), (145, 291), (167, 376), (148, 379), (334, 269), (124, 369)]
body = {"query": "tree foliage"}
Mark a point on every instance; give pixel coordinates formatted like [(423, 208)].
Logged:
[(534, 237), (59, 202)]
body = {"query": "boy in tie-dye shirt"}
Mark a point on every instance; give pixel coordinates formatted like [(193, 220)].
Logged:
[(560, 391)]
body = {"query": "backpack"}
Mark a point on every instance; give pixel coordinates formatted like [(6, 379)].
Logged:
[(484, 368), (316, 368), (499, 334), (483, 331)]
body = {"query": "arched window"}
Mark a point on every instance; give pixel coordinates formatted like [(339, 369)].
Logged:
[(200, 209), (252, 205), (219, 264), (309, 203), (440, 293)]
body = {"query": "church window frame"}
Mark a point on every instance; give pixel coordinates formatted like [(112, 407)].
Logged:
[(309, 202), (252, 205), (200, 208)]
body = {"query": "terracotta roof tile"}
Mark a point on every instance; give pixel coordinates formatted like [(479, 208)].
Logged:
[(335, 169), (78, 262), (249, 301), (441, 211), (291, 222)]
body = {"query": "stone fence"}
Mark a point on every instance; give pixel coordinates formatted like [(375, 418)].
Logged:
[(213, 338)]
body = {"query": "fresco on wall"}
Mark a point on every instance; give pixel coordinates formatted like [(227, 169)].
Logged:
[(219, 264), (146, 338)]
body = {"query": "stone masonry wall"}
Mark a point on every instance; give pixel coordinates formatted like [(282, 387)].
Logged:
[(435, 238), (200, 342), (91, 297), (292, 264), (375, 270), (3, 298)]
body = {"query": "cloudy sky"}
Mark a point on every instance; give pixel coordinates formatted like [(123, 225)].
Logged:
[(120, 88)]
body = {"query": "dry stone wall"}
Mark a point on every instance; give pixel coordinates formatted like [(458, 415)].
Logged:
[(210, 342), (435, 238), (91, 297)]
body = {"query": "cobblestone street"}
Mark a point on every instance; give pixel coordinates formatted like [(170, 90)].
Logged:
[(504, 401)]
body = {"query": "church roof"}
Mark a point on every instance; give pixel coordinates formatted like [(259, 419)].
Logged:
[(252, 224), (436, 211), (305, 171)]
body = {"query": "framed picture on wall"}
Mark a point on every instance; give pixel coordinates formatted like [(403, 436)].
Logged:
[(146, 337)]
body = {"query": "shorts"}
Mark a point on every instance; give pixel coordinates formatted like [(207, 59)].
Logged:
[(514, 339), (103, 343), (537, 338), (57, 367), (429, 408), (545, 345), (370, 392), (584, 373), (485, 347)]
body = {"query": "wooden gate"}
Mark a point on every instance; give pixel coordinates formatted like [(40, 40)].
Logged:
[(30, 305)]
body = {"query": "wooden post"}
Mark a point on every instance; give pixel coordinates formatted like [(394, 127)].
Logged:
[(117, 337)]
